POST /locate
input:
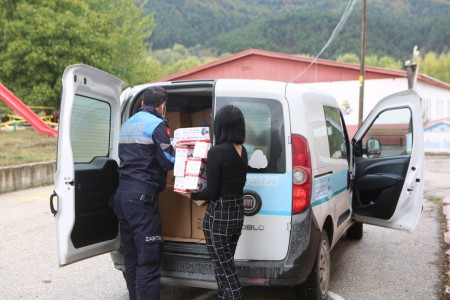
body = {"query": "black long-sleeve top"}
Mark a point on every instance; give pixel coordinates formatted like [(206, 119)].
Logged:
[(226, 172)]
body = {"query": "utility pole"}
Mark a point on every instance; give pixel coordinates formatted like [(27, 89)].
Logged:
[(362, 64)]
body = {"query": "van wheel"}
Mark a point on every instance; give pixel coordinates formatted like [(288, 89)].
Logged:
[(355, 232), (316, 287)]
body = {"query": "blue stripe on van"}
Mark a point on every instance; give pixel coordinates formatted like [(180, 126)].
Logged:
[(327, 187), (275, 213), (275, 191)]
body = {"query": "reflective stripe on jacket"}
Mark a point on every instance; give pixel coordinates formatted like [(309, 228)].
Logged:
[(145, 151)]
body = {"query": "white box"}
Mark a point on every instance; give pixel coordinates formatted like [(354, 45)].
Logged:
[(189, 184), (179, 185), (194, 183), (179, 167), (195, 167), (201, 149), (191, 134), (182, 153)]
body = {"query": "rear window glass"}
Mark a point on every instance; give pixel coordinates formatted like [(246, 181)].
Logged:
[(265, 138), (90, 126)]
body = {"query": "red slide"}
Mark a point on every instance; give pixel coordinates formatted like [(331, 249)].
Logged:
[(19, 107)]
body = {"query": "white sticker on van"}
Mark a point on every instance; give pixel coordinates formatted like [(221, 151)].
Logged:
[(323, 190), (258, 160), (258, 180)]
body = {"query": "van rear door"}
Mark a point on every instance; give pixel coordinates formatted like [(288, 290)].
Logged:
[(388, 163), (268, 191), (86, 173)]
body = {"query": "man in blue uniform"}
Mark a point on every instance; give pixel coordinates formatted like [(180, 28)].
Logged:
[(145, 157)]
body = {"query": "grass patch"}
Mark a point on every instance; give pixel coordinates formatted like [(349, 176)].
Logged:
[(26, 146), (444, 259)]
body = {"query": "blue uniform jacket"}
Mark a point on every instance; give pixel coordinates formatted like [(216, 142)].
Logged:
[(145, 152)]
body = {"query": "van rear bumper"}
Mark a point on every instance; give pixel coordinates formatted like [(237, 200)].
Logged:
[(198, 270)]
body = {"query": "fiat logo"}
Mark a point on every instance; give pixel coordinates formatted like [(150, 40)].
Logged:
[(252, 202), (249, 202)]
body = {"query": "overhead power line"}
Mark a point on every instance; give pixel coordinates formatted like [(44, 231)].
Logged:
[(345, 15)]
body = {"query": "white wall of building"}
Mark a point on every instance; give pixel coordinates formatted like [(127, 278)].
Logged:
[(435, 101)]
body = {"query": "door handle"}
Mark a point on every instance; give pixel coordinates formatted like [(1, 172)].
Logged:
[(52, 207)]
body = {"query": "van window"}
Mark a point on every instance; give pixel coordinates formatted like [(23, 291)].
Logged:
[(335, 132), (390, 134), (265, 142), (90, 125)]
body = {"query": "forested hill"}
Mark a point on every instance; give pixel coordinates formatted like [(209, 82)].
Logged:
[(394, 27)]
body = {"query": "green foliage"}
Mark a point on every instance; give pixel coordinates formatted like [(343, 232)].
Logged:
[(41, 38), (393, 27), (180, 58), (193, 22), (383, 62), (436, 66), (350, 58)]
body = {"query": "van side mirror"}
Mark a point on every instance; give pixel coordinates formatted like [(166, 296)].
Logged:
[(373, 147)]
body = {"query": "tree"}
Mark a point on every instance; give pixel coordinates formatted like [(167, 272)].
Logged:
[(41, 38), (179, 58), (436, 66), (349, 58)]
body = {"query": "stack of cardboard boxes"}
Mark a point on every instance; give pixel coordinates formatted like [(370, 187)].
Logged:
[(181, 217)]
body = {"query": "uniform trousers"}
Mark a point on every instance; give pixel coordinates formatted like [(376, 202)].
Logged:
[(222, 226), (142, 242)]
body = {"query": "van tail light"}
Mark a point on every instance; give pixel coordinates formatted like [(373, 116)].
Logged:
[(301, 174)]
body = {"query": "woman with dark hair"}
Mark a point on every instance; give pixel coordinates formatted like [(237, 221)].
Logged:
[(226, 171)]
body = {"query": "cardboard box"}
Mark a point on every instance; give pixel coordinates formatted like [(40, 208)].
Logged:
[(170, 180), (176, 215), (178, 120), (195, 167), (198, 214), (201, 118)]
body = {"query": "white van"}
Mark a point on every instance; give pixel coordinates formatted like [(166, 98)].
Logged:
[(308, 184)]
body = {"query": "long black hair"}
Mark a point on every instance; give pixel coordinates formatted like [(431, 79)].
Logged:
[(229, 125)]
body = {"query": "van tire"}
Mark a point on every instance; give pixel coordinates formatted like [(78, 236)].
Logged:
[(355, 232), (317, 285)]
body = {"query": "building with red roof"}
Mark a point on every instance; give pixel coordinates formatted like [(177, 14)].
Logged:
[(337, 78)]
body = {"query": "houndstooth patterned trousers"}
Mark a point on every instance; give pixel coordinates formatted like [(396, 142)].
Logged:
[(222, 226)]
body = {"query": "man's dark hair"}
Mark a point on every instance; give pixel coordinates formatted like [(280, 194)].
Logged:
[(154, 96), (229, 125)]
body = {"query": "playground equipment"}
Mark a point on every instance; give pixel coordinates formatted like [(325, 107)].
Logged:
[(43, 125)]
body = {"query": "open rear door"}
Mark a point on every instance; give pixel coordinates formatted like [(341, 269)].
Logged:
[(388, 163), (86, 174), (268, 191)]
